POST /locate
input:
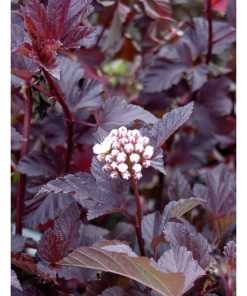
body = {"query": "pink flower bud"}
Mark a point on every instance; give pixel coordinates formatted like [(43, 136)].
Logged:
[(136, 134), (137, 176), (129, 148), (114, 152), (130, 133), (114, 175), (137, 168), (114, 165), (123, 141), (145, 140), (139, 147), (122, 132), (116, 145), (148, 152), (131, 139), (109, 158), (134, 157), (114, 133), (126, 175), (107, 168), (121, 157), (146, 163), (101, 157), (122, 167)]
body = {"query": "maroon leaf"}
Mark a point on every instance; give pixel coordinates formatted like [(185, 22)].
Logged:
[(179, 259), (57, 242), (17, 243), (56, 27), (231, 12), (16, 139), (117, 257), (14, 281), (179, 235), (178, 186), (219, 191)]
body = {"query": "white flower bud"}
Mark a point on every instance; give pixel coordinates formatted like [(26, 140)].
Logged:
[(139, 147), (116, 145), (123, 141), (136, 134), (114, 133), (97, 149), (131, 139), (134, 157), (121, 157), (114, 152), (107, 168), (137, 168), (122, 167), (145, 140), (148, 152), (114, 175), (129, 148), (122, 132), (114, 165), (137, 176), (101, 157), (109, 158), (126, 175), (146, 163), (130, 133)]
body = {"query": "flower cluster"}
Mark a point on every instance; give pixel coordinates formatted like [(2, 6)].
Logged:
[(124, 153)]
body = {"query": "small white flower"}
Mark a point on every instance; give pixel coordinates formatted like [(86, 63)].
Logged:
[(137, 168), (148, 152), (129, 148), (101, 157), (138, 176), (139, 147), (129, 133), (131, 139), (122, 132), (126, 175), (122, 167), (123, 129), (145, 140), (114, 165), (134, 157), (97, 149), (114, 175), (106, 145), (107, 168), (146, 163), (121, 157), (116, 145)]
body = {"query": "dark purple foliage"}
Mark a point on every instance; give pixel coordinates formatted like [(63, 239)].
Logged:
[(81, 223)]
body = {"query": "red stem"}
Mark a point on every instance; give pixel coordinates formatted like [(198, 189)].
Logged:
[(138, 221), (25, 145), (210, 30), (67, 113)]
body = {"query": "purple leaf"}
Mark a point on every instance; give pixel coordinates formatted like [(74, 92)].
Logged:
[(37, 163), (14, 281), (114, 291), (57, 242), (16, 139), (178, 186), (17, 243), (219, 191), (117, 112), (168, 124), (45, 209), (230, 253), (116, 257), (179, 259), (179, 235), (231, 12)]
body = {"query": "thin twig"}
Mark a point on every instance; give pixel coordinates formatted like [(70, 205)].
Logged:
[(138, 226), (67, 113), (25, 145), (210, 30)]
